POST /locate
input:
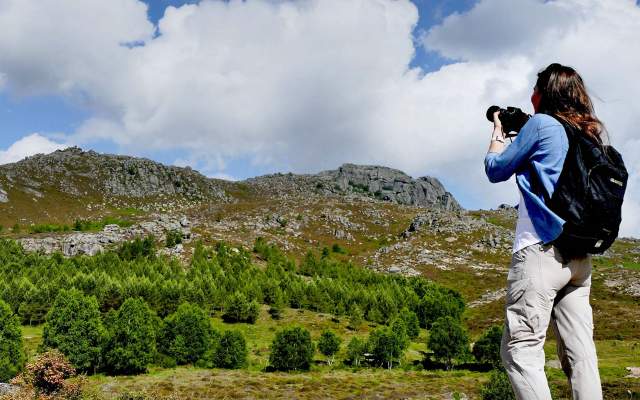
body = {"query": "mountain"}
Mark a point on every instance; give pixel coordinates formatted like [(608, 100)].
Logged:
[(71, 181)]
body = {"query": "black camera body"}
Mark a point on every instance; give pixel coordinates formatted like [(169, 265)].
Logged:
[(512, 118)]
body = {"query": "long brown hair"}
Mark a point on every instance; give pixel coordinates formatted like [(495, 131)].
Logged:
[(564, 95)]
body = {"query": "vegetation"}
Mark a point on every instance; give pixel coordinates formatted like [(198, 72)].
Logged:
[(173, 238), (46, 377), (292, 350), (448, 340), (486, 349), (498, 387), (329, 344), (231, 351), (187, 334), (12, 355), (74, 326), (131, 334)]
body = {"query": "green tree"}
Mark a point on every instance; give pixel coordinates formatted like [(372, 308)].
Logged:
[(498, 387), (74, 326), (329, 344), (439, 302), (131, 342), (487, 349), (355, 351), (239, 309), (399, 328), (411, 322), (12, 355), (385, 346), (448, 340), (292, 349), (231, 352), (356, 317), (187, 334)]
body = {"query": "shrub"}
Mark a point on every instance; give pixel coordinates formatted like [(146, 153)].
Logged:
[(15, 228), (47, 372), (385, 347), (439, 302), (292, 349), (173, 238), (487, 349), (231, 352), (448, 340), (74, 326), (411, 322), (131, 343), (138, 248), (336, 248), (239, 309), (187, 334), (12, 355), (355, 351), (329, 344), (498, 387)]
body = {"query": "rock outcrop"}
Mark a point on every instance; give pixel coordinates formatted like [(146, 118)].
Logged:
[(77, 172), (86, 243), (364, 181)]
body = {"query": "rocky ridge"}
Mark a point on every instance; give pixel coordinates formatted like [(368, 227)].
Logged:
[(361, 181), (76, 172)]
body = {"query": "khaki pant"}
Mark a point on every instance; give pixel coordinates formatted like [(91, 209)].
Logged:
[(544, 289)]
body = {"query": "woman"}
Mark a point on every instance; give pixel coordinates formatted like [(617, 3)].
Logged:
[(542, 287)]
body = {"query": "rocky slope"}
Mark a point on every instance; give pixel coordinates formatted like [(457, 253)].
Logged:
[(376, 182)]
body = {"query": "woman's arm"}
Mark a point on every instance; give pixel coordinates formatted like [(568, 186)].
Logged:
[(497, 137), (501, 163)]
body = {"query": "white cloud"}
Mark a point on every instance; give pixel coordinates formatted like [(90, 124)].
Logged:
[(306, 85), (28, 146)]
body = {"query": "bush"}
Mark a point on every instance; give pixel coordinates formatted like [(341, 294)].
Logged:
[(131, 343), (174, 237), (231, 352), (138, 248), (487, 349), (292, 349), (47, 372), (239, 309), (12, 355), (187, 334), (439, 302), (74, 326), (329, 344), (498, 387), (411, 322), (448, 340), (355, 351), (385, 347)]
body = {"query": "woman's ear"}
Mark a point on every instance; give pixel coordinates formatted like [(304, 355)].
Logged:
[(535, 99)]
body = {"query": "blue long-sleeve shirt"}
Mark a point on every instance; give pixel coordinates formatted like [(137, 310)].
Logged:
[(540, 147)]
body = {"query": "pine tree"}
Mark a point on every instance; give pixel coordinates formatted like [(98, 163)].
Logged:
[(131, 338), (12, 355), (74, 326)]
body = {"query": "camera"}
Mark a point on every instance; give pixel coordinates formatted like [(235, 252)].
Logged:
[(512, 118)]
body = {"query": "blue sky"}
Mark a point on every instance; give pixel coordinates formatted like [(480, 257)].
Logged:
[(20, 116)]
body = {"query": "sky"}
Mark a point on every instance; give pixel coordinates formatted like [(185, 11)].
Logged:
[(238, 88)]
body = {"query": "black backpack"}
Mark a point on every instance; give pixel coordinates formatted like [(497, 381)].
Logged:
[(588, 196)]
